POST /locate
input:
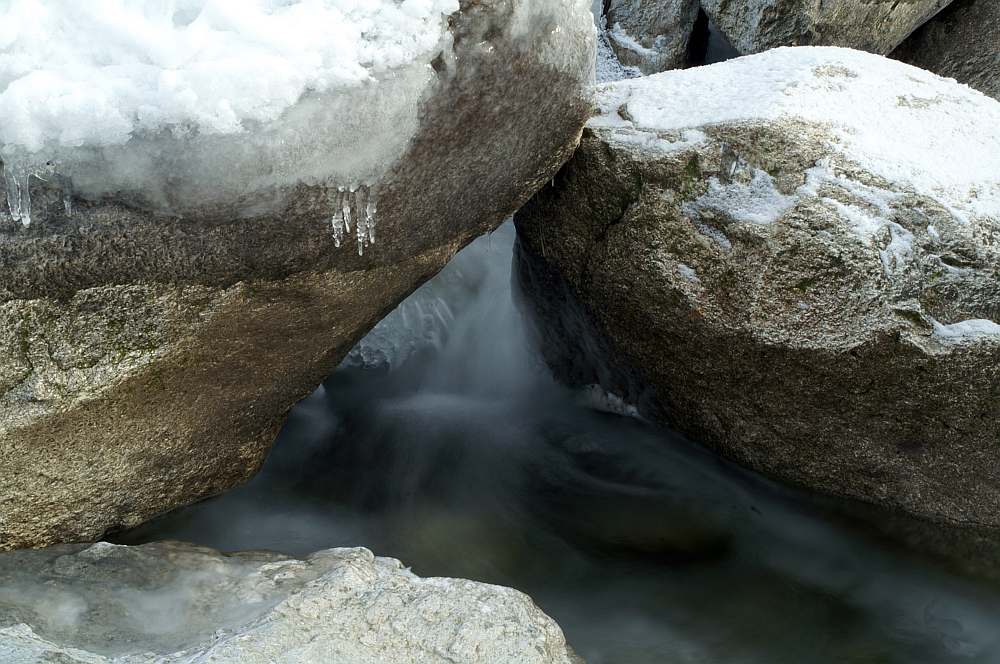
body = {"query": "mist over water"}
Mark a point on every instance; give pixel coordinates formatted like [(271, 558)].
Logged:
[(445, 442)]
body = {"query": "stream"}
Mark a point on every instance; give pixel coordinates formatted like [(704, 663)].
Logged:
[(444, 441)]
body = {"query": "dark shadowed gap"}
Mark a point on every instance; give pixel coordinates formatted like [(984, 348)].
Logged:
[(707, 44)]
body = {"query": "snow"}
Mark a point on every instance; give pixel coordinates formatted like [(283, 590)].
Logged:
[(898, 251), (597, 398), (914, 129), (224, 99), (756, 202), (715, 235), (760, 202), (688, 273), (868, 217), (875, 203), (625, 40), (968, 330), (95, 73), (656, 143)]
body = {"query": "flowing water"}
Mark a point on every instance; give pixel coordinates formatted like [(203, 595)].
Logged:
[(445, 442)]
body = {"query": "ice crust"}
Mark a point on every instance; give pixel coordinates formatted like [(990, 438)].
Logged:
[(935, 140), (184, 104)]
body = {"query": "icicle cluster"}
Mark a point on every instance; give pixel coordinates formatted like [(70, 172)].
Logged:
[(357, 206), (17, 177), (16, 183)]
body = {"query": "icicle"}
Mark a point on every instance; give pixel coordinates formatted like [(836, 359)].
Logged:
[(370, 211), (25, 179), (338, 219), (13, 192), (361, 205), (367, 207), (338, 229), (16, 179), (357, 205), (346, 207), (64, 183)]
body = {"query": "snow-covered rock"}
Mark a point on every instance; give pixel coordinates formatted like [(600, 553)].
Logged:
[(200, 250), (188, 104), (877, 26), (962, 42), (794, 258), (651, 35), (173, 603)]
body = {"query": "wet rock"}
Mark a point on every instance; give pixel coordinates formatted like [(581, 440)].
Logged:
[(173, 602), (148, 361), (962, 42), (793, 258), (877, 26)]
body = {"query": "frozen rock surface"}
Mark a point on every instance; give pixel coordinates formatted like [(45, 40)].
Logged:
[(794, 258), (652, 35), (962, 42), (153, 337), (173, 603), (877, 26)]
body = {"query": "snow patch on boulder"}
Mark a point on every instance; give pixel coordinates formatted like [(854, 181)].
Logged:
[(837, 88), (74, 74), (967, 330), (187, 104), (756, 202)]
